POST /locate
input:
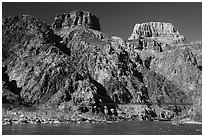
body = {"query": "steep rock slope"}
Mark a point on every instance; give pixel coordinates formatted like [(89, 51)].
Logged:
[(183, 67), (178, 61), (33, 58), (73, 66)]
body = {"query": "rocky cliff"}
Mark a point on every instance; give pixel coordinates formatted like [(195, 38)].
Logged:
[(183, 67), (76, 18), (73, 67), (160, 30)]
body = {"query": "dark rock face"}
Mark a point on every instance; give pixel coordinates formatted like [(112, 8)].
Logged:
[(14, 26), (10, 91), (75, 67), (76, 18), (32, 58)]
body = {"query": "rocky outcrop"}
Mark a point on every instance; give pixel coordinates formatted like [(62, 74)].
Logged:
[(33, 58), (183, 68), (73, 67), (177, 61), (76, 18), (150, 39), (13, 27), (10, 91), (162, 31)]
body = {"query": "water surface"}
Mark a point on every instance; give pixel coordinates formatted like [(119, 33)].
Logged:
[(120, 128)]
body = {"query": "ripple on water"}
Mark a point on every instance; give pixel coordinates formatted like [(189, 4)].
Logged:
[(119, 128)]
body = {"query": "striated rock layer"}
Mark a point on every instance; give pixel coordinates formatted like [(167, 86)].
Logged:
[(73, 67), (160, 30), (76, 18)]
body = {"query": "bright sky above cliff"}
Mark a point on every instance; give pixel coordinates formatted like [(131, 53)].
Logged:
[(119, 18)]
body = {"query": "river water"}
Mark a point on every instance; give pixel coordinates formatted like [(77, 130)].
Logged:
[(120, 128)]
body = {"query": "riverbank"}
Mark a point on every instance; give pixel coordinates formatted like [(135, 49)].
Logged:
[(190, 121), (51, 116), (46, 115), (81, 118)]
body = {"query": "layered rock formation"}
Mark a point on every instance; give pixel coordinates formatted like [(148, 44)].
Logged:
[(76, 18), (179, 63), (162, 31), (73, 67)]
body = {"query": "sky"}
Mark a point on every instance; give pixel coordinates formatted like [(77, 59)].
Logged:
[(119, 18)]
